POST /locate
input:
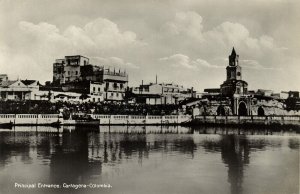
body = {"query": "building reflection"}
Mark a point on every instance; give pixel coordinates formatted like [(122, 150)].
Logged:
[(235, 153), (294, 143), (14, 148), (80, 155), (70, 161)]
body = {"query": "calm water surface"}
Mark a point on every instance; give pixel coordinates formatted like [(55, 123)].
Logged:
[(151, 160)]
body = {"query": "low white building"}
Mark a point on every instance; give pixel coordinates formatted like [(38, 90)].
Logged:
[(73, 97), (18, 89), (30, 90), (161, 93)]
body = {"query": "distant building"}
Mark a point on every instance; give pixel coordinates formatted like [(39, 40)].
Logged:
[(199, 94), (293, 94), (264, 92), (284, 95), (213, 91), (3, 77), (162, 93)]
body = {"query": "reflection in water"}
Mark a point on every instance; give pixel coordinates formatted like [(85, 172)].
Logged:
[(235, 153), (70, 162), (107, 153)]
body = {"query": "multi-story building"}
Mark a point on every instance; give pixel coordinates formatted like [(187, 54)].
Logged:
[(162, 93), (68, 69), (73, 73), (115, 84)]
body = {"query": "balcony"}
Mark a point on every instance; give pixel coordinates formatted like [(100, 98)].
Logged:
[(115, 89), (115, 77)]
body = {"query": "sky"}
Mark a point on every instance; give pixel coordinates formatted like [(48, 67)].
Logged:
[(184, 42)]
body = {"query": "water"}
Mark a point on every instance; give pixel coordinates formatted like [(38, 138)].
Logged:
[(150, 160)]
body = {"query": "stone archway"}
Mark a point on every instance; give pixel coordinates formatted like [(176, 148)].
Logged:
[(221, 111), (260, 111), (242, 109)]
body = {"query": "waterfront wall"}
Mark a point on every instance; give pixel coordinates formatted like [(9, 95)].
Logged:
[(244, 120), (141, 119), (30, 119), (47, 119)]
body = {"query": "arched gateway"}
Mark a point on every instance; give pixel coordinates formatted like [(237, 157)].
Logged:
[(242, 109), (260, 111), (221, 111)]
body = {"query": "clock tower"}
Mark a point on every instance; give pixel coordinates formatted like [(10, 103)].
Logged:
[(234, 85), (234, 71)]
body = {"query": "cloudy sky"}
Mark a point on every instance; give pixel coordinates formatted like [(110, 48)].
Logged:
[(185, 42)]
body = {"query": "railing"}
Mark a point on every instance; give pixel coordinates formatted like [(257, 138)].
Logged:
[(30, 119)]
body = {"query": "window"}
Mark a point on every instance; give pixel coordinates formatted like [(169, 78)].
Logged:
[(117, 94), (115, 85), (76, 72), (121, 86), (111, 94), (98, 89), (94, 89)]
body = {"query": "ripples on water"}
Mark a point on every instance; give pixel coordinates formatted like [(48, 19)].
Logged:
[(151, 159)]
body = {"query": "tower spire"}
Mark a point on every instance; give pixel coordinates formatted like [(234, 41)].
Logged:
[(233, 52)]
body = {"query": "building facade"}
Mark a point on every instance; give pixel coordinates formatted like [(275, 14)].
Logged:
[(19, 90), (162, 93), (68, 69), (116, 83)]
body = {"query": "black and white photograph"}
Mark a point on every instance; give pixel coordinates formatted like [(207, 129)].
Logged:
[(149, 97)]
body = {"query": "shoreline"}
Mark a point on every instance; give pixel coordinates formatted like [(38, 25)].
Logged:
[(274, 121), (55, 120)]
